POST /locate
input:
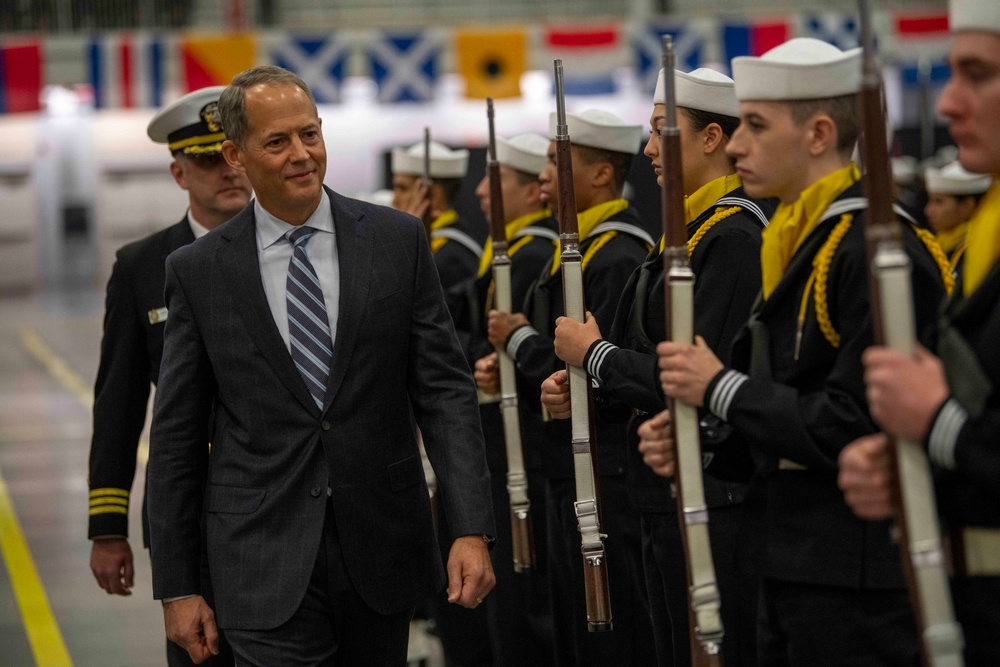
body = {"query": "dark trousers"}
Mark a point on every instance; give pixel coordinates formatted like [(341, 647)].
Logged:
[(333, 627), (806, 625), (977, 608), (631, 641), (666, 582), (518, 608)]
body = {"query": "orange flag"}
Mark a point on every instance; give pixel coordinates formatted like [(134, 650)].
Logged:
[(492, 61), (213, 60)]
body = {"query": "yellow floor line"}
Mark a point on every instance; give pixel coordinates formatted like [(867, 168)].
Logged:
[(43, 632), (68, 378)]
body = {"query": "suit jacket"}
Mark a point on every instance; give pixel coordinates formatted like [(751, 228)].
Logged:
[(396, 364), (130, 359)]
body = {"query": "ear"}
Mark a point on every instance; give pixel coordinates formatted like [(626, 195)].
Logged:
[(966, 207), (532, 192), (178, 173), (822, 134), (233, 155), (714, 138), (603, 175)]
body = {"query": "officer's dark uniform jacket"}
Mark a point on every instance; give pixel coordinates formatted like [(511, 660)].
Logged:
[(457, 245), (726, 264), (616, 253), (798, 404), (131, 350)]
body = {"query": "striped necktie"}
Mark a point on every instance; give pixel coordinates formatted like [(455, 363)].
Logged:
[(308, 325)]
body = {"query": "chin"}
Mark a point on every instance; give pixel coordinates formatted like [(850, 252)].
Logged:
[(979, 161)]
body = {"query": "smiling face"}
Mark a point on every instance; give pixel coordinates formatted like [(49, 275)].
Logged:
[(971, 98), (770, 149), (216, 191), (284, 156)]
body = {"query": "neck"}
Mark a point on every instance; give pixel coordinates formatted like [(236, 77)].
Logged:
[(596, 198), (815, 169), (209, 219), (294, 215), (710, 172)]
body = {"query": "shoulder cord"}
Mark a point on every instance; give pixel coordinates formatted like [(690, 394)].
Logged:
[(934, 248), (719, 215)]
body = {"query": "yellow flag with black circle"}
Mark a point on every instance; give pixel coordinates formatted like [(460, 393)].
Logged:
[(491, 61)]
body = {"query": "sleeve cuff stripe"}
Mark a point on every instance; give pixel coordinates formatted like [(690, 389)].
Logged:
[(944, 433), (597, 358), (108, 509), (95, 493), (109, 500), (725, 392), (518, 337)]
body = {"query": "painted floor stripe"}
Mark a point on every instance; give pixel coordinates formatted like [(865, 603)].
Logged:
[(40, 625)]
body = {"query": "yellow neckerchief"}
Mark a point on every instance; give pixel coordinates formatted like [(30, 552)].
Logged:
[(792, 223), (511, 228), (950, 239), (446, 219), (588, 220), (983, 240), (705, 197)]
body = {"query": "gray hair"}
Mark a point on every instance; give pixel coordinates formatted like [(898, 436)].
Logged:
[(232, 102)]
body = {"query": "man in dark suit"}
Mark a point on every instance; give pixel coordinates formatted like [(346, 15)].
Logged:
[(133, 328), (321, 343)]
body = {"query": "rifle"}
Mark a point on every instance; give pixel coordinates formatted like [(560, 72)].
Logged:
[(428, 216), (522, 535), (704, 621), (588, 504), (893, 323)]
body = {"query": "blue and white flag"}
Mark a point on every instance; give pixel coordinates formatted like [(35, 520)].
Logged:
[(841, 30), (127, 70), (321, 61), (405, 65), (689, 48)]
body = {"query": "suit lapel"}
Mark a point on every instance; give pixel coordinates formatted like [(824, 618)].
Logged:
[(355, 251), (240, 268)]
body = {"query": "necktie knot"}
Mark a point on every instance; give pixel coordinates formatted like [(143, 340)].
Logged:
[(300, 235)]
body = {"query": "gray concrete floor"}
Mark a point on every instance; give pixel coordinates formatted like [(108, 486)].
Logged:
[(45, 432)]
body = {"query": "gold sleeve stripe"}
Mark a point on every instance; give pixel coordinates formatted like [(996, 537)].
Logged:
[(122, 493), (106, 500), (108, 509)]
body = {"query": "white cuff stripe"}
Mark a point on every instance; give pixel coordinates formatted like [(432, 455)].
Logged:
[(600, 353), (725, 392), (518, 337), (944, 433)]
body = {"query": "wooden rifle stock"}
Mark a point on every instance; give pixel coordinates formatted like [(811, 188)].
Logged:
[(522, 535), (587, 506), (704, 620), (892, 316), (428, 216)]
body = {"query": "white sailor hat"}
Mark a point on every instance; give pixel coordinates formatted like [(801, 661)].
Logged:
[(192, 124), (981, 15), (952, 179), (904, 169), (800, 69), (703, 89), (527, 152), (445, 163), (600, 129)]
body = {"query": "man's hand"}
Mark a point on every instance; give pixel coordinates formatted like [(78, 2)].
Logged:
[(573, 338), (555, 394), (686, 370), (487, 374), (470, 573), (656, 444), (866, 477), (419, 201), (500, 325), (112, 565), (904, 393), (190, 623)]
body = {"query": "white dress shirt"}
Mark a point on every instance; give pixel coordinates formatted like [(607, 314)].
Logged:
[(274, 252), (197, 228)]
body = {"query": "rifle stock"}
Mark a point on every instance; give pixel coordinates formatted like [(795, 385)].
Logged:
[(428, 218), (587, 506), (893, 323), (704, 620), (522, 535)]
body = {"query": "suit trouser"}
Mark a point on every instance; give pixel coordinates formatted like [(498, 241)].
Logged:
[(332, 627), (977, 608), (666, 581), (631, 640), (808, 625)]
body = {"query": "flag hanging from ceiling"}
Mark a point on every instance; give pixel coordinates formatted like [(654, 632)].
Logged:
[(127, 70), (589, 54), (920, 44), (841, 30), (21, 78), (753, 38), (689, 47), (491, 61), (319, 60), (213, 60), (404, 65)]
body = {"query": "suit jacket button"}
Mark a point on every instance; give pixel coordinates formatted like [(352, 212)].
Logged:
[(316, 491), (325, 425)]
